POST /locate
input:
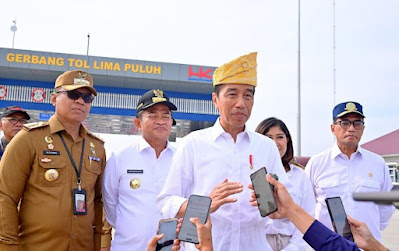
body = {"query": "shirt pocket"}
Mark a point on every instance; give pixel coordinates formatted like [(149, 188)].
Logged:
[(368, 186), (330, 188), (90, 173), (49, 170)]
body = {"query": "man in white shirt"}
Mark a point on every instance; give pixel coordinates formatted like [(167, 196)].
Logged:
[(346, 168), (136, 174), (218, 161)]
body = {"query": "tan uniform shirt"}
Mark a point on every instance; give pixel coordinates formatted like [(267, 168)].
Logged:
[(46, 220)]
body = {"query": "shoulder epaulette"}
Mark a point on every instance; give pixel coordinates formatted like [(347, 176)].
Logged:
[(297, 164), (35, 125), (95, 136)]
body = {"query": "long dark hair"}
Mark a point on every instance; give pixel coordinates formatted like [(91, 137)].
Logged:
[(264, 127)]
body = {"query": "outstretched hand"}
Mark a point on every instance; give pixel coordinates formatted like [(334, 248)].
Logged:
[(220, 194)]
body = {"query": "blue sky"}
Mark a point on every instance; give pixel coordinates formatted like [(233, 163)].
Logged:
[(214, 32)]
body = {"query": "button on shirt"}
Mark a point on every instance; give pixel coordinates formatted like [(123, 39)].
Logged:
[(305, 198), (333, 174), (203, 160), (132, 211)]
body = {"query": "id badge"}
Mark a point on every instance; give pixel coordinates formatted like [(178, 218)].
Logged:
[(79, 202)]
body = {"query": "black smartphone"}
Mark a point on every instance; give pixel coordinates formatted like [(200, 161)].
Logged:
[(198, 206), (168, 228), (338, 217), (264, 193)]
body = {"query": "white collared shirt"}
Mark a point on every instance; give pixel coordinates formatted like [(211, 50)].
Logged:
[(203, 160), (333, 174), (305, 198), (133, 212)]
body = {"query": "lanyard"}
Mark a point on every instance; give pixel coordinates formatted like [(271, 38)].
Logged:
[(72, 161)]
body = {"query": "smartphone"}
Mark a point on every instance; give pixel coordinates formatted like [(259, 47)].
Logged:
[(338, 217), (264, 193), (168, 228), (198, 206)]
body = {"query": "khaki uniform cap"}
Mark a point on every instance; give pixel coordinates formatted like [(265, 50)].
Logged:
[(72, 80)]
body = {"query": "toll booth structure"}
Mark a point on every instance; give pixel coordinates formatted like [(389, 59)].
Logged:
[(27, 79)]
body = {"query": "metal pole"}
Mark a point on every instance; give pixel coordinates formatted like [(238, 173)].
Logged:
[(14, 29), (88, 43), (299, 80), (334, 71)]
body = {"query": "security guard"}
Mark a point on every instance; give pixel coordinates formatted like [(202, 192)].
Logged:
[(56, 169)]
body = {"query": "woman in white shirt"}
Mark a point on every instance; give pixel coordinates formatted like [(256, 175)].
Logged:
[(282, 234)]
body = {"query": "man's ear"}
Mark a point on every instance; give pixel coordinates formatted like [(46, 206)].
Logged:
[(215, 100), (333, 129), (137, 123), (53, 99)]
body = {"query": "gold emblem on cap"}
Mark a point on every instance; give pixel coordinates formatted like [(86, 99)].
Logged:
[(82, 75), (370, 175), (51, 175), (159, 96), (48, 139), (350, 107), (82, 79), (91, 144), (158, 93), (135, 183)]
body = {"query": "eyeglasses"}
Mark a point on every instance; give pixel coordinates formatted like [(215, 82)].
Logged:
[(15, 121), (75, 95), (345, 124)]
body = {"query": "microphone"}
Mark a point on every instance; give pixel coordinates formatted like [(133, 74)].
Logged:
[(391, 197)]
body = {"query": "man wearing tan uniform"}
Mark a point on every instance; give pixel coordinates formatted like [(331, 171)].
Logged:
[(56, 169)]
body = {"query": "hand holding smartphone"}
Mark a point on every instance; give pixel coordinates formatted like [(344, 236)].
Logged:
[(198, 206), (168, 228), (264, 193), (338, 217)]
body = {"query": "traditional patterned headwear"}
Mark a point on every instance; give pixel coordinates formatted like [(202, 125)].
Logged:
[(241, 70)]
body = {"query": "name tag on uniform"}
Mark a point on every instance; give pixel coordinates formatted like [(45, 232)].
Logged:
[(135, 171), (46, 152), (94, 158)]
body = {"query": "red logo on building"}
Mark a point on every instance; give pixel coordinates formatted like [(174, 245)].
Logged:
[(3, 92), (200, 73), (38, 95)]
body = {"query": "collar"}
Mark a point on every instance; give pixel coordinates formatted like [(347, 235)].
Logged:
[(4, 143), (218, 131), (143, 144), (56, 126), (335, 151)]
